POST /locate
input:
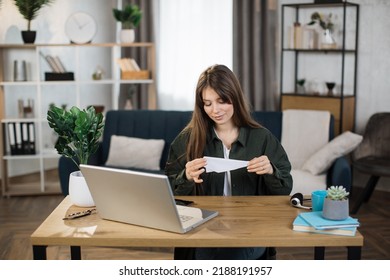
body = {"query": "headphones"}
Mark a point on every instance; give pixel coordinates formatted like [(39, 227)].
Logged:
[(297, 201)]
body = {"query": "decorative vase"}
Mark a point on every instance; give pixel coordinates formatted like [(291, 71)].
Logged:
[(328, 42), (335, 209), (127, 35), (78, 190), (28, 36), (301, 89), (330, 86), (128, 104)]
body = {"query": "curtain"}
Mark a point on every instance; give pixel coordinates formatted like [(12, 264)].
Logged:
[(143, 33), (254, 51)]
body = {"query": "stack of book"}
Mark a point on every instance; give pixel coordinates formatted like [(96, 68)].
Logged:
[(130, 70), (315, 223), (58, 71)]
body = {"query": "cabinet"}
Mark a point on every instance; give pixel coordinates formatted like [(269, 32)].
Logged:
[(82, 91), (305, 57)]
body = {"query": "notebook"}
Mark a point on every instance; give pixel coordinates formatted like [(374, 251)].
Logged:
[(316, 220), (140, 198), (299, 224)]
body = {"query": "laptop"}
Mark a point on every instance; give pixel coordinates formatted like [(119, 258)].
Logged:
[(140, 198)]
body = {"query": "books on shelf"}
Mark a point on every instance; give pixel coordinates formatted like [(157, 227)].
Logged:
[(302, 37), (54, 63), (21, 138), (128, 64), (59, 64), (300, 224), (130, 70), (58, 70)]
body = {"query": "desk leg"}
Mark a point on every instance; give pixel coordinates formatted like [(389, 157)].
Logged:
[(354, 252), (319, 253), (39, 252), (75, 253)]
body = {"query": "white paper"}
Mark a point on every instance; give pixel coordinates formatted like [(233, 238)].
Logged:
[(222, 165)]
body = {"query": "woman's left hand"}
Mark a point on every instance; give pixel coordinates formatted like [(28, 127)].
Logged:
[(260, 165)]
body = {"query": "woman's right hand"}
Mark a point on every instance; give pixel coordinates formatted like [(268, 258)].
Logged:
[(194, 169)]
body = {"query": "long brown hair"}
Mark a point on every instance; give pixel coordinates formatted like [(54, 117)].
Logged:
[(221, 79)]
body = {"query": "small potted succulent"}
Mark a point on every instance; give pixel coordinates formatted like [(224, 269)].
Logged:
[(336, 204), (130, 17)]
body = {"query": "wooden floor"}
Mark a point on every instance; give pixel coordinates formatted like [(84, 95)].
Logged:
[(20, 216)]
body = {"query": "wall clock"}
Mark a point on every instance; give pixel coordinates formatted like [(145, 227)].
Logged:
[(80, 28)]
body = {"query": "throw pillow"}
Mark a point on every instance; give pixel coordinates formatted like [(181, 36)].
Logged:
[(341, 145), (133, 152)]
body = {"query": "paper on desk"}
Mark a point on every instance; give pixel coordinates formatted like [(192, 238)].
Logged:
[(221, 165)]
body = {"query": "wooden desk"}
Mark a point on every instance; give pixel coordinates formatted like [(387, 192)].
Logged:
[(243, 221)]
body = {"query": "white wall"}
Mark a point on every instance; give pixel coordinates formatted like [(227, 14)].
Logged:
[(373, 88)]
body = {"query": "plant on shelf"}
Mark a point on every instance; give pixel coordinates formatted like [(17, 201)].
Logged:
[(130, 17), (79, 131), (336, 204), (29, 10), (129, 97), (324, 22), (301, 86)]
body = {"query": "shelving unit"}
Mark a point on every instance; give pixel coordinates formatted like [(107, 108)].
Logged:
[(83, 91), (320, 65)]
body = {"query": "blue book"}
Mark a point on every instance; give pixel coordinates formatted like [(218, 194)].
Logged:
[(300, 224), (316, 220)]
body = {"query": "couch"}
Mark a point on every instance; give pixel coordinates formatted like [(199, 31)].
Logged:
[(157, 125)]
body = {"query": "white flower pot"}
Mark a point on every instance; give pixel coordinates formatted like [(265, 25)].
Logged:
[(328, 42), (78, 190), (127, 35)]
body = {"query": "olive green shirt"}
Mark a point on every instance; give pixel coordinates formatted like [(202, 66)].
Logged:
[(251, 143)]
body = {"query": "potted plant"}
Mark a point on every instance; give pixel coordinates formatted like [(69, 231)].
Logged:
[(129, 96), (130, 18), (328, 42), (301, 86), (336, 204), (79, 133), (29, 10)]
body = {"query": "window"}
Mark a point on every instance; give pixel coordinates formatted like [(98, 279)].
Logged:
[(192, 35)]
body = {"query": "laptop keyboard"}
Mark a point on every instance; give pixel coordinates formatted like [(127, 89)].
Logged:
[(184, 218)]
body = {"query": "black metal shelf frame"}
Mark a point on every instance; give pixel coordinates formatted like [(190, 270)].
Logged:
[(342, 51)]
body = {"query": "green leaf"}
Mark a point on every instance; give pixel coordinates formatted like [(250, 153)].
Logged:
[(29, 8), (79, 131), (130, 16)]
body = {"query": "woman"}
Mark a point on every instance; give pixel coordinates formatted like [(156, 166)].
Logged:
[(221, 126)]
